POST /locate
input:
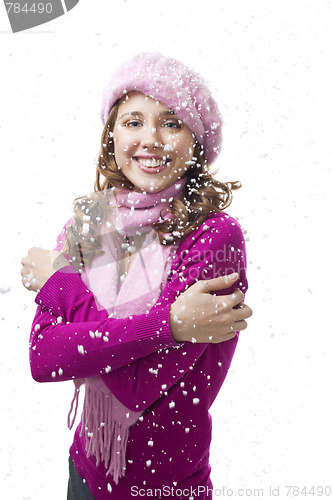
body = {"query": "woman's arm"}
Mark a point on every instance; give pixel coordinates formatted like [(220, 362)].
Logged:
[(73, 339), (218, 250), (61, 351)]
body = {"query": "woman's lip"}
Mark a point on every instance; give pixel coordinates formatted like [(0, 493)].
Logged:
[(150, 170)]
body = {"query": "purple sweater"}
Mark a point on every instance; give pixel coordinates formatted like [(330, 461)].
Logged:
[(174, 384)]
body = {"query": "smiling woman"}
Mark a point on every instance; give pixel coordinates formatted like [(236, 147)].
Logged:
[(129, 304)]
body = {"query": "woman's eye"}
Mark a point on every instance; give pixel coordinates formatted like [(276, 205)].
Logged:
[(133, 123), (172, 125)]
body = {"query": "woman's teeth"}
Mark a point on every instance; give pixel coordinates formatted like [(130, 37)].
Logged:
[(151, 163)]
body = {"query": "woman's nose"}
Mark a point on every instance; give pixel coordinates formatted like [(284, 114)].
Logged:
[(150, 138)]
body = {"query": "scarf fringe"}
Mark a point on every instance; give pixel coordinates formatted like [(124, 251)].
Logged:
[(75, 401), (106, 438)]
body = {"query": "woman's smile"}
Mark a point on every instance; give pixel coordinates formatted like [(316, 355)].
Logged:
[(153, 147), (152, 164)]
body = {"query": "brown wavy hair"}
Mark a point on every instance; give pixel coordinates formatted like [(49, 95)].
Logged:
[(203, 195)]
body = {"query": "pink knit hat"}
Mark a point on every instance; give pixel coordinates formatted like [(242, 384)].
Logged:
[(176, 86)]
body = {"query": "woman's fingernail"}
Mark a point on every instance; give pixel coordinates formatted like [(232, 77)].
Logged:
[(232, 276)]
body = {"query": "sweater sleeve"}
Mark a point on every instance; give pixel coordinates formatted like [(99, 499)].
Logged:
[(71, 338), (216, 248)]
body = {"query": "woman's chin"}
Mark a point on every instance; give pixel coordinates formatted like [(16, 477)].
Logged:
[(152, 189), (150, 186)]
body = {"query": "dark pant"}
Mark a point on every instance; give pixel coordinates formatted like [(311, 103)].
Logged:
[(77, 489)]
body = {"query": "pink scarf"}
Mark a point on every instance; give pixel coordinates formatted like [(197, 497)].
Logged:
[(105, 420)]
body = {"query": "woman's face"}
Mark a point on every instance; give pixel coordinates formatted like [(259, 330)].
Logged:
[(153, 147)]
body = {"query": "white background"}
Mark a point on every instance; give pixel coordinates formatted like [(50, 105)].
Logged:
[(269, 65)]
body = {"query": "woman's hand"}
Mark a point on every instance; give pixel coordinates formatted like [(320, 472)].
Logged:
[(199, 316), (38, 267)]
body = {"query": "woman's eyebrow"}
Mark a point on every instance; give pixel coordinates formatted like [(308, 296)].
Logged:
[(131, 113), (138, 113), (167, 112)]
